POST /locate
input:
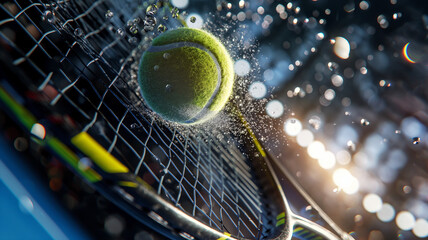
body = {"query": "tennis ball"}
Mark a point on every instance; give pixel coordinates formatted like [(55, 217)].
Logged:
[(186, 75)]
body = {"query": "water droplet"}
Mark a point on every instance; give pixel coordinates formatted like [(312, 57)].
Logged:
[(383, 22), (168, 88), (49, 16), (133, 40), (319, 36), (109, 14), (407, 189), (397, 132), (162, 28), (166, 55), (351, 146), (149, 23), (348, 113), (156, 67), (332, 66), (384, 83), (193, 19), (163, 172), (134, 125), (133, 29), (152, 9), (396, 16), (174, 12), (78, 32), (416, 140), (364, 122), (120, 32), (315, 122), (54, 6)]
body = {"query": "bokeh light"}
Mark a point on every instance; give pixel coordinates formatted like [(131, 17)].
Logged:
[(345, 181), (257, 90), (38, 130), (406, 54), (114, 225), (180, 3), (242, 67), (26, 204), (316, 149), (420, 229), (372, 203), (274, 109), (343, 157), (327, 160), (292, 127), (336, 80), (341, 47), (195, 21), (405, 220), (329, 94), (386, 213), (304, 138), (412, 127)]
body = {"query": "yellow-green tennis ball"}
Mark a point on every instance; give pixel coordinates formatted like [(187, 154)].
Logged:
[(186, 75)]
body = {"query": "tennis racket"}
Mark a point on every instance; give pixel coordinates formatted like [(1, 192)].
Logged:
[(68, 78)]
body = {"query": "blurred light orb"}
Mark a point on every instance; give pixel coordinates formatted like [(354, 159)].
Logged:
[(280, 8), (386, 213), (257, 90), (396, 159), (304, 138), (415, 52), (329, 94), (343, 157), (372, 203), (383, 22), (341, 47), (319, 36), (352, 187), (180, 3), (25, 204), (38, 130), (194, 21), (241, 4), (114, 225), (344, 180), (421, 228), (292, 127), (268, 75), (316, 149), (336, 80), (274, 109), (364, 5), (242, 67), (412, 127), (346, 136), (327, 160), (405, 220), (241, 16), (315, 122)]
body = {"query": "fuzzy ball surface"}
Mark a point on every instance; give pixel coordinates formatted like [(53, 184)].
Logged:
[(186, 76)]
